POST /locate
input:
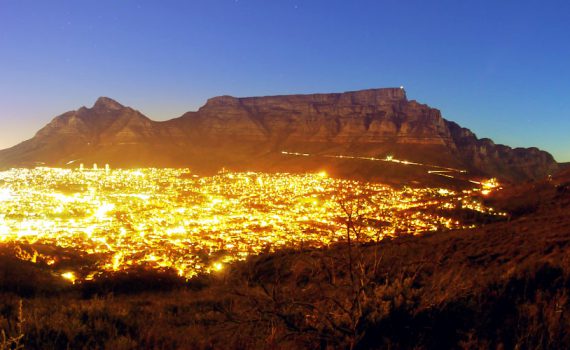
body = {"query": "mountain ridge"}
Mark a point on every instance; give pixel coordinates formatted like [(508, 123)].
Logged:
[(252, 133)]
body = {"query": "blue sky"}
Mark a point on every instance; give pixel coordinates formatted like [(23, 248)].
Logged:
[(500, 68)]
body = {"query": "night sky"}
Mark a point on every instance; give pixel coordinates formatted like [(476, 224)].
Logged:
[(500, 68)]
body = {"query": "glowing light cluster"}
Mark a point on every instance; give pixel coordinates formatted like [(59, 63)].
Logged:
[(169, 218)]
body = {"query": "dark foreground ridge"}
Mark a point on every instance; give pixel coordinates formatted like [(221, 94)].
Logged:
[(505, 285), (252, 134)]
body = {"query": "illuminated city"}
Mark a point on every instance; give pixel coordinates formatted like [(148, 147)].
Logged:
[(171, 218)]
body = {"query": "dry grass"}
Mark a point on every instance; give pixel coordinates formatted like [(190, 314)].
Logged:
[(9, 341)]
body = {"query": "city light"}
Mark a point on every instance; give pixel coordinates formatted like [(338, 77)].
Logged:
[(70, 276), (169, 218)]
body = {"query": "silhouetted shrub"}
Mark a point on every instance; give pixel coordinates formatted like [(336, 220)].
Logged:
[(132, 281)]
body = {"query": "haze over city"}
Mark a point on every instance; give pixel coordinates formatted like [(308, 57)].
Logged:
[(499, 69)]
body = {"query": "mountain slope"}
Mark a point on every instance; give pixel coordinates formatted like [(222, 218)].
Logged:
[(252, 133)]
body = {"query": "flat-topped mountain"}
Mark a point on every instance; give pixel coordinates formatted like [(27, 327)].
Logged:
[(251, 133)]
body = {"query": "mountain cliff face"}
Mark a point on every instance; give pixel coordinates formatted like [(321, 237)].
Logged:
[(83, 134), (369, 116), (252, 132)]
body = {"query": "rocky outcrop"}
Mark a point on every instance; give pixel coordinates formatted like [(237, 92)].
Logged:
[(489, 158), (253, 131)]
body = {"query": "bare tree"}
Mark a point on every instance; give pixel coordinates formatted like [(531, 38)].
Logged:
[(323, 298)]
